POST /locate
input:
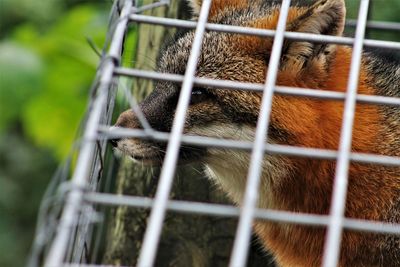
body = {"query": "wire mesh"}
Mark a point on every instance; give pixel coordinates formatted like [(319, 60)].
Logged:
[(72, 218)]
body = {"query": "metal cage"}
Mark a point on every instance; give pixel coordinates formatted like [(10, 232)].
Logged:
[(70, 212)]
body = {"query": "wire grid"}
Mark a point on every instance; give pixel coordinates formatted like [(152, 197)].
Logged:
[(82, 187)]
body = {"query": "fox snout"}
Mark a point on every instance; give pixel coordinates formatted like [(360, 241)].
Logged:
[(149, 151), (138, 150), (127, 119)]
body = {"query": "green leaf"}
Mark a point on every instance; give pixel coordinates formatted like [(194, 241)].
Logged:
[(51, 116), (21, 74)]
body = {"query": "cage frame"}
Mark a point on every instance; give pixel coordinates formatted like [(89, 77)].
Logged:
[(82, 189)]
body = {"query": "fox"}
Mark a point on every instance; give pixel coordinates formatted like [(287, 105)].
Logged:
[(288, 183)]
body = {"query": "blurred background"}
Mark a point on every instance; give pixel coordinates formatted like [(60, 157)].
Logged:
[(46, 69)]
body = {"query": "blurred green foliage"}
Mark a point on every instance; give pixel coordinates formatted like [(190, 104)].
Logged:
[(24, 173), (46, 69), (47, 76), (379, 10)]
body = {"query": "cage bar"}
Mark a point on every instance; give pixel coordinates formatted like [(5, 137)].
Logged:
[(335, 229), (153, 230), (300, 36), (250, 198), (234, 85), (223, 210), (87, 152), (273, 149)]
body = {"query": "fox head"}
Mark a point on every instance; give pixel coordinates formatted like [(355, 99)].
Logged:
[(232, 114)]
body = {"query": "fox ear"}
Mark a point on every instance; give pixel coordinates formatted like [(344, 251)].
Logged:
[(216, 6), (325, 17)]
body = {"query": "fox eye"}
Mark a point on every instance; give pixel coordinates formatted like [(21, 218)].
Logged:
[(198, 95)]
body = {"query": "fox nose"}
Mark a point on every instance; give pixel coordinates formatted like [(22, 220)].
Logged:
[(114, 142)]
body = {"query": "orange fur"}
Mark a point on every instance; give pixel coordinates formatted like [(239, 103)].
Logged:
[(261, 44), (317, 124), (218, 5)]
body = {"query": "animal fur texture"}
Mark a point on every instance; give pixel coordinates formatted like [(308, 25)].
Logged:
[(287, 183)]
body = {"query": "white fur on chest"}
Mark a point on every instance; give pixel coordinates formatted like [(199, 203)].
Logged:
[(228, 168)]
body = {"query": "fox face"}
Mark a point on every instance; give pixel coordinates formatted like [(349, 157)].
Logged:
[(226, 113), (287, 183)]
